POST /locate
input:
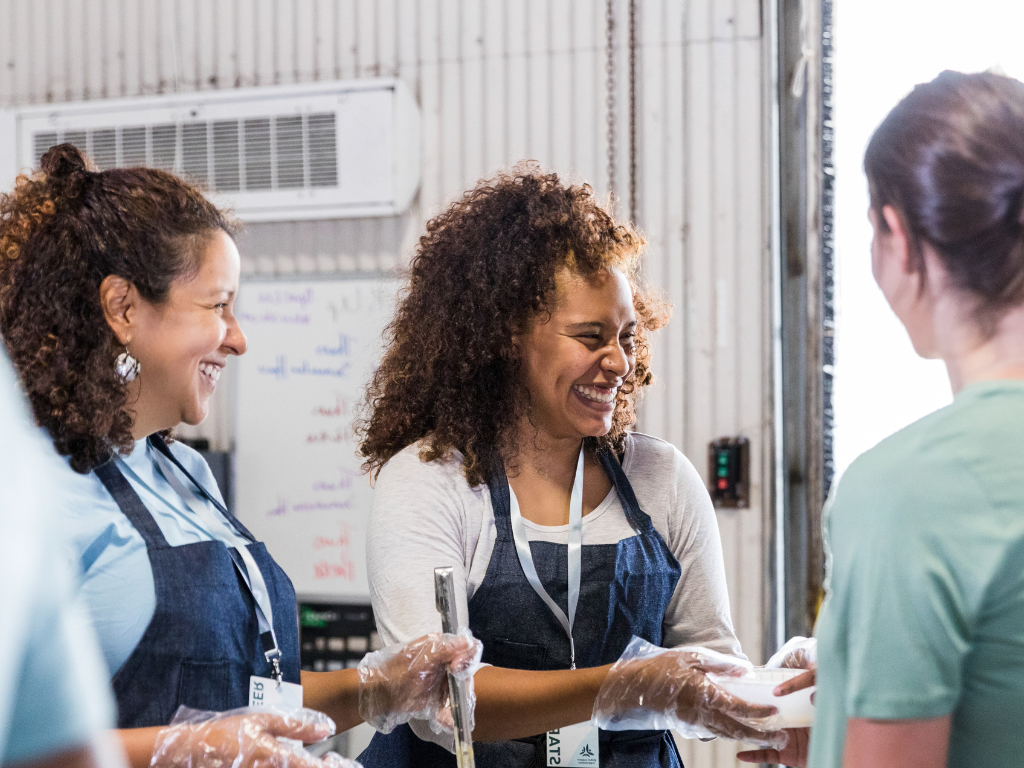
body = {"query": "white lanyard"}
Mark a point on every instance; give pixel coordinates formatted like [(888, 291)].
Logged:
[(250, 573), (575, 555)]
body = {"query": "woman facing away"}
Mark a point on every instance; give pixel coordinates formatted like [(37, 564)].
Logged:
[(499, 426), (117, 291), (921, 636)]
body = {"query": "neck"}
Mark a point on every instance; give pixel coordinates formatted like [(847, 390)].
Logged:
[(971, 357), (146, 420), (540, 453)]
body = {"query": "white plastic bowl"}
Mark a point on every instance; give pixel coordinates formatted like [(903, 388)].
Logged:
[(756, 686)]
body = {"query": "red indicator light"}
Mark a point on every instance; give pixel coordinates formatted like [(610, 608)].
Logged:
[(723, 483)]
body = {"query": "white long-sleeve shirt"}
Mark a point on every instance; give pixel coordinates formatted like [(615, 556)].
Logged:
[(426, 515)]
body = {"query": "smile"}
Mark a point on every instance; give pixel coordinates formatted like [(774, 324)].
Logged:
[(596, 394), (211, 371)]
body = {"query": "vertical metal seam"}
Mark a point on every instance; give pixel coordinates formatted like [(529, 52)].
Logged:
[(356, 61), (236, 44), (713, 180), (215, 78), (506, 138), (141, 63), (315, 22), (197, 54), (550, 64), (296, 69), (632, 111), (121, 53), (397, 15), (484, 144), (687, 349), (528, 54), (610, 98), (460, 56), (439, 74), (376, 39), (275, 46)]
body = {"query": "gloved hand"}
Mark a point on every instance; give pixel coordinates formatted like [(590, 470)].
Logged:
[(797, 653), (244, 738), (410, 682), (651, 688)]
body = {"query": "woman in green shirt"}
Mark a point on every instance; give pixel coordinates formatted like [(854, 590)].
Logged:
[(921, 637)]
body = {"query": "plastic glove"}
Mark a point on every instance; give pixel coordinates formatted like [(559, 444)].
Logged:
[(262, 737), (410, 682), (797, 653), (652, 688)]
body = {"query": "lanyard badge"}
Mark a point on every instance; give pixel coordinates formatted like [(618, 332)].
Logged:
[(575, 746), (262, 691)]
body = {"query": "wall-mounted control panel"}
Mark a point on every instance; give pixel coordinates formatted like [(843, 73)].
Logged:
[(729, 470)]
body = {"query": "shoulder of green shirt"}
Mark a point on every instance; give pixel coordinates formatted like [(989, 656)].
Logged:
[(916, 466)]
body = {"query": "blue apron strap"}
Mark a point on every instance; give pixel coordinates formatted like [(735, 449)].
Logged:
[(501, 504), (158, 443), (131, 505), (639, 519)]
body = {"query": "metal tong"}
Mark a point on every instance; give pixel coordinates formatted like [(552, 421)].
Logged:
[(458, 695)]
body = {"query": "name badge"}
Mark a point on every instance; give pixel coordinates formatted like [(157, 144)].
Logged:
[(267, 692), (574, 746)]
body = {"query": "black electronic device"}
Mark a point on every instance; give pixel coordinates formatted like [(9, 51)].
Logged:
[(335, 636), (729, 468)]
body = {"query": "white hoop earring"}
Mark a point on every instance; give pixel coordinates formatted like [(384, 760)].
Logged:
[(127, 366)]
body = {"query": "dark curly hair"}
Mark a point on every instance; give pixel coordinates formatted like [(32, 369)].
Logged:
[(482, 271), (62, 231)]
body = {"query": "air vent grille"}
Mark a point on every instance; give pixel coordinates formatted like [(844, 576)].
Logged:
[(286, 152)]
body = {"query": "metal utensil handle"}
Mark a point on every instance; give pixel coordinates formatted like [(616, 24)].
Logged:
[(458, 695)]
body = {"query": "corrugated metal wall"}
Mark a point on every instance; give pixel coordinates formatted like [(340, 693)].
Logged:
[(499, 81)]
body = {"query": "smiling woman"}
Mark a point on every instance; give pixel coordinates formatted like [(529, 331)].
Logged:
[(499, 426), (66, 242), (182, 343), (117, 294)]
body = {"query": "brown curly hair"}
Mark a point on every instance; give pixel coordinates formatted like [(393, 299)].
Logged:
[(482, 271), (62, 231)]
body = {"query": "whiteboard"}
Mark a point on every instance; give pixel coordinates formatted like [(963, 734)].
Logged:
[(298, 483)]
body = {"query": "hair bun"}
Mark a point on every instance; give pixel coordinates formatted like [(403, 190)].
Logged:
[(63, 163)]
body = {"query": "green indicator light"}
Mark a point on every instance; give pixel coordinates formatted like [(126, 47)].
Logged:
[(722, 472)]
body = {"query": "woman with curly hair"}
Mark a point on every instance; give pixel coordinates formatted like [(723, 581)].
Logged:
[(499, 430), (117, 291)]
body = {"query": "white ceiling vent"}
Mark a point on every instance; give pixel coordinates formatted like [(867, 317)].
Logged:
[(323, 150)]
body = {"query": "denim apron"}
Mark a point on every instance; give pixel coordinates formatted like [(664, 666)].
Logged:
[(203, 642), (625, 589)]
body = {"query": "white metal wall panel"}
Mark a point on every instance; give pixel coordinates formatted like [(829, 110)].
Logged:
[(499, 81)]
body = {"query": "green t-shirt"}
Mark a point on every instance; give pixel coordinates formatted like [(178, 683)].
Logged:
[(924, 614)]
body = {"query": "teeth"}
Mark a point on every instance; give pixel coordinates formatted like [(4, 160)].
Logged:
[(212, 371), (595, 394)]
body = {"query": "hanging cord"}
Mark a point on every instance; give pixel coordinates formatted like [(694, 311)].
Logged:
[(610, 96), (632, 111)]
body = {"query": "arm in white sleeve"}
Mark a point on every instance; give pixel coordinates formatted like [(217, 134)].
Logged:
[(699, 612), (417, 524)]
